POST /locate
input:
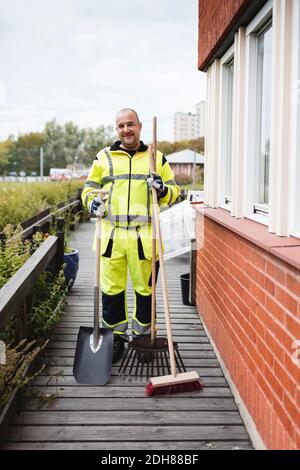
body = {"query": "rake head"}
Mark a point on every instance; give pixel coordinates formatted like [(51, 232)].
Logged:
[(146, 358)]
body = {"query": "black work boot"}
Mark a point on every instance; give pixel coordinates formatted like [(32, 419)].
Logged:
[(118, 349)]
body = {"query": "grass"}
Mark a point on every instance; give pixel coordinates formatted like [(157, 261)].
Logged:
[(197, 186)]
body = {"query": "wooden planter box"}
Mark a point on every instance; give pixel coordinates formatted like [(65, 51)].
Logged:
[(7, 412)]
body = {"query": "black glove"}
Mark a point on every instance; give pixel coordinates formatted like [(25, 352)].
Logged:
[(156, 182)]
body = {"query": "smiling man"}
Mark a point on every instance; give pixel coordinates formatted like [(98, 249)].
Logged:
[(121, 173), (128, 127)]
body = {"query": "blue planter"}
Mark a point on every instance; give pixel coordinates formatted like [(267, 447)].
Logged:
[(71, 265)]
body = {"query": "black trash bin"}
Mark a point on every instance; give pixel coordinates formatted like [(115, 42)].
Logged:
[(185, 288)]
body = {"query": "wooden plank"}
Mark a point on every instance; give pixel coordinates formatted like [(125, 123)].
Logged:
[(68, 381), (86, 304), (178, 323), (183, 348), (131, 433), (190, 363), (76, 322), (202, 371), (127, 418), (124, 445), (125, 391), (145, 404), (180, 339), (66, 371), (186, 356), (186, 351), (69, 338)]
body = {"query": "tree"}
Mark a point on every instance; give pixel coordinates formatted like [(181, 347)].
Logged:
[(93, 141), (55, 151), (26, 152), (67, 144), (6, 151), (196, 145), (73, 138)]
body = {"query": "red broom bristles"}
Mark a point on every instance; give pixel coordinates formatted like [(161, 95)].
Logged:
[(195, 385)]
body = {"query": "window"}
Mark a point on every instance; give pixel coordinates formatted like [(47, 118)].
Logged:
[(264, 77), (228, 143), (226, 129)]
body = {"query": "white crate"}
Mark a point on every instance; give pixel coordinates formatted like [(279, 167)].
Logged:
[(178, 229)]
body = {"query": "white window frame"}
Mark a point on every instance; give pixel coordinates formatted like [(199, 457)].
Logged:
[(259, 206), (295, 124), (211, 174), (253, 210), (226, 60)]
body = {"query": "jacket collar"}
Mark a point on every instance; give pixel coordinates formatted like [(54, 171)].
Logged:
[(116, 146)]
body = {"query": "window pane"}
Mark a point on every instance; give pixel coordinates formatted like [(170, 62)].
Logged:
[(264, 68), (229, 94)]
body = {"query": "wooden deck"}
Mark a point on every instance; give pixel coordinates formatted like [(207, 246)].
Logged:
[(59, 414)]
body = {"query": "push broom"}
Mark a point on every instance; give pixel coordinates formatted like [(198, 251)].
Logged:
[(175, 382)]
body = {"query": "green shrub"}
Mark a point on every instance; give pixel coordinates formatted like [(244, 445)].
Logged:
[(14, 251), (44, 308), (12, 373), (45, 314), (20, 201)]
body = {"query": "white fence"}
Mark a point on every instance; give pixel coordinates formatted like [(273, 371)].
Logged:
[(22, 179)]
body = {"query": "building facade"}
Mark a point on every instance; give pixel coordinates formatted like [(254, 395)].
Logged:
[(189, 126), (185, 126), (248, 261), (201, 116)]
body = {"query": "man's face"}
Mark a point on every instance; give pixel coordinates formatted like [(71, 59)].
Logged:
[(128, 128)]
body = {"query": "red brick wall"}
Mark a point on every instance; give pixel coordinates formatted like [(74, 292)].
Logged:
[(215, 17), (250, 303)]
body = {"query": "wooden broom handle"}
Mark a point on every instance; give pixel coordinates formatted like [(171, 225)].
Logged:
[(162, 264), (152, 164)]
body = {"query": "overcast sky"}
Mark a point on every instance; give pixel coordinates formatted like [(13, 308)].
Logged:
[(82, 60)]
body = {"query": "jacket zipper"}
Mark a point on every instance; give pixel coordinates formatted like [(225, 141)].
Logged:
[(129, 187)]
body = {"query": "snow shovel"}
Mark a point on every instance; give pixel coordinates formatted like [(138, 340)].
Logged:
[(94, 349)]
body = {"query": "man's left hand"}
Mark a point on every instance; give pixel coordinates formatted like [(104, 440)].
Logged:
[(156, 182)]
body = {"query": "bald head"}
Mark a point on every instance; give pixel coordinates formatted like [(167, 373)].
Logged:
[(128, 127), (128, 110)]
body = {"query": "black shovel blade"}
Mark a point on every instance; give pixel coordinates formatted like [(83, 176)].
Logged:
[(93, 368)]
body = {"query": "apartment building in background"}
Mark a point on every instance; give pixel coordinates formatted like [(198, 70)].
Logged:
[(201, 116), (189, 126), (248, 232)]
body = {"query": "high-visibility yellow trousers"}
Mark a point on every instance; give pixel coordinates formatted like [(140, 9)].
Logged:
[(126, 253)]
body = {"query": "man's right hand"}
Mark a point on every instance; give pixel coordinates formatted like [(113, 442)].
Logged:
[(97, 206)]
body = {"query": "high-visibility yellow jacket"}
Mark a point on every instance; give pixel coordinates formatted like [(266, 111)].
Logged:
[(129, 203)]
